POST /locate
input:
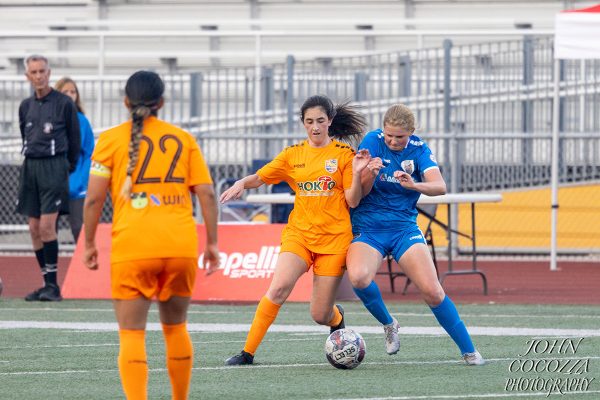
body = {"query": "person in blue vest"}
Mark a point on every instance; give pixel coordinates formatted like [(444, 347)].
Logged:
[(78, 179), (385, 222)]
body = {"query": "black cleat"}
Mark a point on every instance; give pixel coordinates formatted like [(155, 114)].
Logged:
[(243, 358), (341, 325), (50, 293), (35, 295)]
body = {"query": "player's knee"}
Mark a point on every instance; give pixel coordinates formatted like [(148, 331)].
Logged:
[(434, 295), (35, 235), (47, 233), (359, 277), (278, 294)]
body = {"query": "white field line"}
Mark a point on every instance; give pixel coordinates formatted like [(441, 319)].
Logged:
[(528, 316), (230, 328), (472, 396), (235, 368), (109, 310), (244, 311), (116, 344)]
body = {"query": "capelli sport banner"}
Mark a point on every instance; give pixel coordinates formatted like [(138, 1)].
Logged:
[(248, 254)]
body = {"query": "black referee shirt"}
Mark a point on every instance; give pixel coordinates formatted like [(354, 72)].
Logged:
[(50, 127)]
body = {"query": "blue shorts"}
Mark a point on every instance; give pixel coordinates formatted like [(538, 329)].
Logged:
[(394, 242)]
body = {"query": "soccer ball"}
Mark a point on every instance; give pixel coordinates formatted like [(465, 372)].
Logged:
[(345, 349)]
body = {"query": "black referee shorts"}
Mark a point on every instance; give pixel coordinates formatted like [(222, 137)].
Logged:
[(44, 186)]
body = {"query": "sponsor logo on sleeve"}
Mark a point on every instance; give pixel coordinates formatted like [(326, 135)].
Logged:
[(100, 170)]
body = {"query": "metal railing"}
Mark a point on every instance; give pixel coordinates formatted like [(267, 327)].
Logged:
[(485, 110)]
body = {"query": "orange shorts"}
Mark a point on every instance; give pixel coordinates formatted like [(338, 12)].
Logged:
[(323, 264), (162, 277)]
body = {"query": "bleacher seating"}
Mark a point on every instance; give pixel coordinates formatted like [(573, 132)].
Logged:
[(185, 35)]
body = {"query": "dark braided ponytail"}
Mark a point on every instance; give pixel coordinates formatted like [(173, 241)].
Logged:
[(144, 90)]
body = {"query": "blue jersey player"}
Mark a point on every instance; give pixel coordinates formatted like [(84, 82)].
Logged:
[(402, 168)]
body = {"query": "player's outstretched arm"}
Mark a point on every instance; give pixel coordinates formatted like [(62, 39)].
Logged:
[(237, 189)]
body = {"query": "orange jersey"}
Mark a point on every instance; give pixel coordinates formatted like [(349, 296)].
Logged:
[(319, 177), (157, 221)]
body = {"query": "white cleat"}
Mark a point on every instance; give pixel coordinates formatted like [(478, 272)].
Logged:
[(473, 358), (392, 340)]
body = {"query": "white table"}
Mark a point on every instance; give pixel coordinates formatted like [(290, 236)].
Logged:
[(448, 199), (451, 198), (460, 198)]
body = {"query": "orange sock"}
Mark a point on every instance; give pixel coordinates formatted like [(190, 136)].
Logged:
[(337, 317), (180, 358), (133, 365), (263, 318)]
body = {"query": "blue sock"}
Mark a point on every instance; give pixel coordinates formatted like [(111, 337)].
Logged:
[(448, 317), (371, 298)]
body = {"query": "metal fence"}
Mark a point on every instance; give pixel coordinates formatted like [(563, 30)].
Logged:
[(484, 109), (494, 87)]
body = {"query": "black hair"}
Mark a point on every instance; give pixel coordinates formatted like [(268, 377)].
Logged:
[(144, 90), (348, 124)]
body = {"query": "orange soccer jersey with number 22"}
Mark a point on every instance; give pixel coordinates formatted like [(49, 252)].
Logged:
[(156, 222)]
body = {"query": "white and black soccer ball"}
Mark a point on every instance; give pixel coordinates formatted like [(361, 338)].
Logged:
[(345, 349)]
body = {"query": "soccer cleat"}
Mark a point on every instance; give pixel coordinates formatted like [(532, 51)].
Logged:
[(341, 325), (244, 358), (473, 358), (35, 295), (50, 293), (392, 340)]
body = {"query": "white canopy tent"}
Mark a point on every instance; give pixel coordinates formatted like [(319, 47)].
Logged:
[(576, 37)]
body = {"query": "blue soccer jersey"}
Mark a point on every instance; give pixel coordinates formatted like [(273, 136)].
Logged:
[(389, 206)]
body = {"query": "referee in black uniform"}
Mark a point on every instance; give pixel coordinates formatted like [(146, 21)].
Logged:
[(51, 144)]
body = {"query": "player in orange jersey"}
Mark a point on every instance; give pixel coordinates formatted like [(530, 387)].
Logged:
[(325, 174), (154, 238)]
